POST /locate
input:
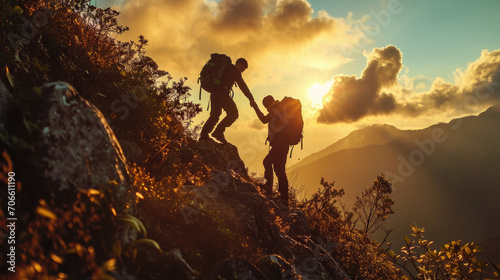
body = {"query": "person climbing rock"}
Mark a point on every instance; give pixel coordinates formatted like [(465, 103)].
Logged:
[(221, 100)]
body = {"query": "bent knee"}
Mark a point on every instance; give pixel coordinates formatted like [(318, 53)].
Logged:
[(267, 162), (234, 115)]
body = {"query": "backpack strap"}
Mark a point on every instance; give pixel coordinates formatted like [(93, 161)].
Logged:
[(301, 146), (200, 86), (232, 90), (291, 151)]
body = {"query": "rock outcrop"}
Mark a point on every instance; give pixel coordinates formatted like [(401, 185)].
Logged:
[(221, 157), (293, 253), (77, 148)]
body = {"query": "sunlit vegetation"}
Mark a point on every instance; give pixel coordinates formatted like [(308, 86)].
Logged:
[(63, 239), (361, 257), (75, 43), (374, 205), (364, 258), (454, 260)]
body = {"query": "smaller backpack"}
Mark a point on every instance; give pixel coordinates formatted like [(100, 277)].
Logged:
[(291, 112), (289, 123), (211, 74)]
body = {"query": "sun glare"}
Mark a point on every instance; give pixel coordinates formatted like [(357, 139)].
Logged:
[(316, 93)]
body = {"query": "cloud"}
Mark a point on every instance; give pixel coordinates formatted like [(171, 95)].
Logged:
[(276, 36), (238, 16), (351, 98), (474, 88), (486, 69), (256, 124), (379, 90)]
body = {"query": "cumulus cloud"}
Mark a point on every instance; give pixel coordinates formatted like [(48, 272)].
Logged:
[(276, 36), (351, 98), (486, 69), (475, 87), (379, 91)]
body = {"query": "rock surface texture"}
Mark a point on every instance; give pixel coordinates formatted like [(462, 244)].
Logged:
[(77, 146)]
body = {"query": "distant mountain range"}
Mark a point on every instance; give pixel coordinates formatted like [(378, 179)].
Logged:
[(446, 177)]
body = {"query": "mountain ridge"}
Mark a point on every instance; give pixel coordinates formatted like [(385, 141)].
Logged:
[(344, 143), (444, 176), (380, 129)]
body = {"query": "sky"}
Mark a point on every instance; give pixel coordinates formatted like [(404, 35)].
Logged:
[(407, 63)]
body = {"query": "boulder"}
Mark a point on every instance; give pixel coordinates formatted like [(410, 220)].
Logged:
[(221, 157), (77, 148), (176, 267), (299, 225), (305, 262)]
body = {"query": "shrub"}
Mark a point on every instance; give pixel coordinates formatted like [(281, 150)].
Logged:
[(61, 238), (76, 44), (452, 261), (360, 257), (374, 205)]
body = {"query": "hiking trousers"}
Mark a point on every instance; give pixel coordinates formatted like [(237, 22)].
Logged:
[(276, 159), (220, 100)]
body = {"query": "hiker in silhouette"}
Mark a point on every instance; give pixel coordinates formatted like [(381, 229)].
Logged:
[(276, 158), (221, 99)]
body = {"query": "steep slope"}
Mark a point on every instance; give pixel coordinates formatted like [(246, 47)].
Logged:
[(95, 202), (256, 219), (445, 177)]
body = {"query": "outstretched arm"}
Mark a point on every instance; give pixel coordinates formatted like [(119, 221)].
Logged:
[(244, 88)]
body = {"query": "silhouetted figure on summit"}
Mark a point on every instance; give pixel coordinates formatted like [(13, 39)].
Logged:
[(221, 99)]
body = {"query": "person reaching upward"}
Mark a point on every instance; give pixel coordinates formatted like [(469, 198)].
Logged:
[(277, 156)]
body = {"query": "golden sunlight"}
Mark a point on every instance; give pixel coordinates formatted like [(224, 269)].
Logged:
[(316, 93)]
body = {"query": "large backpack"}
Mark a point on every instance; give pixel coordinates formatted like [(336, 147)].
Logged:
[(289, 113), (211, 74)]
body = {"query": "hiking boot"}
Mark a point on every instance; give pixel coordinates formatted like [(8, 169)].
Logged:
[(219, 136), (268, 189)]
